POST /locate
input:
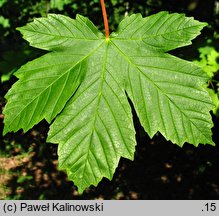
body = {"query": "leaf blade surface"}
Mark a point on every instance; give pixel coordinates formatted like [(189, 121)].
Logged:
[(86, 80), (97, 124)]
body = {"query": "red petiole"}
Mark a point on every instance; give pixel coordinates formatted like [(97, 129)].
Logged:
[(106, 25)]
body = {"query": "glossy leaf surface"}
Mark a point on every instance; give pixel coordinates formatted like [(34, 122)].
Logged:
[(87, 80)]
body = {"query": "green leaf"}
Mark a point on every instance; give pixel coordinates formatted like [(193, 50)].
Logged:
[(87, 80), (208, 60), (214, 95), (47, 83), (2, 2), (161, 31), (4, 22), (59, 4), (209, 63), (95, 129), (114, 2)]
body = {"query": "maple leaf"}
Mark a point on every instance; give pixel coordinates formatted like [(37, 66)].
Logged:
[(86, 79)]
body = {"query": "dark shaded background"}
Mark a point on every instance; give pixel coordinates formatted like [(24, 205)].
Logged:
[(161, 170)]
